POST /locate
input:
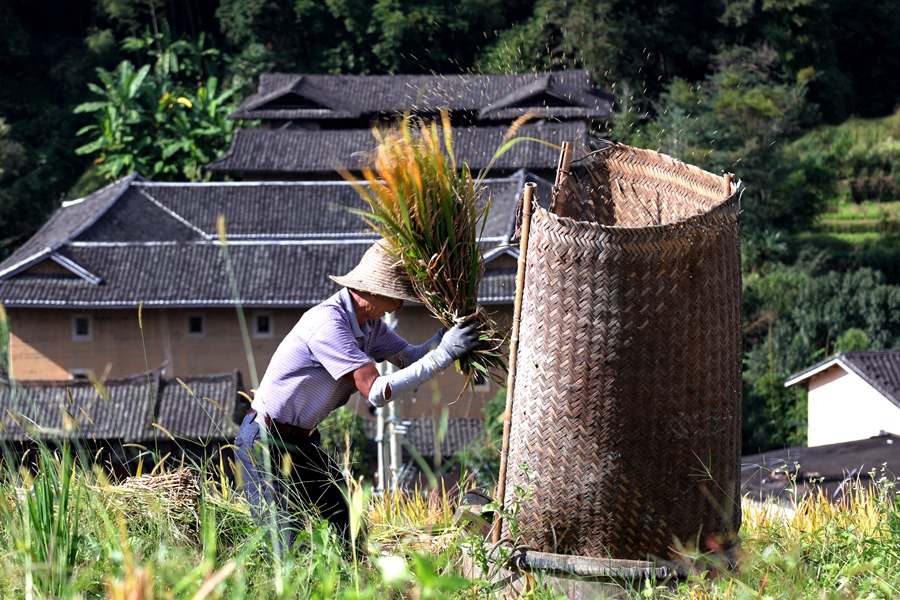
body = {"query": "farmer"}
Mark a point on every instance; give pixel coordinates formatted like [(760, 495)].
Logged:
[(329, 355)]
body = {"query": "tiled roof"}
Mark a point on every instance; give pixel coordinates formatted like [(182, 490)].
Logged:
[(420, 434), (67, 222), (122, 408), (833, 469), (281, 151), (323, 97), (878, 368), (199, 408), (158, 244)]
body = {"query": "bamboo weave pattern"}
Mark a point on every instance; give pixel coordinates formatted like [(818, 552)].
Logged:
[(627, 407)]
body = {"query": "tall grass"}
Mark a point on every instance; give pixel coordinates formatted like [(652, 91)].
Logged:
[(200, 542), (809, 547), (45, 523), (140, 540)]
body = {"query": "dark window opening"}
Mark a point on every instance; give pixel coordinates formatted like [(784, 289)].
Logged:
[(82, 326), (195, 325)]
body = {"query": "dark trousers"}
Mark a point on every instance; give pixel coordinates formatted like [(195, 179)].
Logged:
[(303, 480)]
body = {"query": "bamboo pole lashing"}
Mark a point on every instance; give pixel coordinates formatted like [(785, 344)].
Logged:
[(527, 201), (562, 173)]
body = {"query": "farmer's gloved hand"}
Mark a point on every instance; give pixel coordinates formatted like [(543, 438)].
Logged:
[(455, 343), (460, 339)]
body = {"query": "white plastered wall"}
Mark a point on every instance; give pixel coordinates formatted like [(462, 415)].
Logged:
[(844, 408)]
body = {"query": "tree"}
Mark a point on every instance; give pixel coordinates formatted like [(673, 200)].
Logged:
[(363, 37), (848, 51), (737, 120), (147, 123), (42, 75), (643, 46)]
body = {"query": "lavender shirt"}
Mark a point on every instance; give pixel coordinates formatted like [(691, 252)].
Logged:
[(303, 383)]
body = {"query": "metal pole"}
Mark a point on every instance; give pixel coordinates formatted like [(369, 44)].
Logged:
[(392, 422), (379, 441), (527, 195), (396, 443)]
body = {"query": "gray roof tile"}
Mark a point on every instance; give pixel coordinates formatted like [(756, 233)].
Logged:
[(201, 410), (297, 151), (158, 244), (77, 409), (833, 470), (122, 408), (66, 223), (878, 368), (460, 433), (323, 97)]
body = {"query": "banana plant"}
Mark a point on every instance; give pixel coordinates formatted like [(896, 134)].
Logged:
[(118, 119), (146, 123)]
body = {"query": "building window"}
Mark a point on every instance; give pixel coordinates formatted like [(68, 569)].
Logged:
[(81, 328), (263, 326), (196, 325), (80, 374), (480, 383)]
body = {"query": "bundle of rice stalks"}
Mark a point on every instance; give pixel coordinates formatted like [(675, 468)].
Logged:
[(431, 215)]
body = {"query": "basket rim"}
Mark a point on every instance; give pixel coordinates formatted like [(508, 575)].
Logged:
[(617, 146), (730, 203)]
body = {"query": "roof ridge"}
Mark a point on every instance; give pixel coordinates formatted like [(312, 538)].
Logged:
[(174, 215)]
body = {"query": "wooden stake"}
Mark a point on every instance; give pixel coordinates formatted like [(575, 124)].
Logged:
[(527, 197), (728, 185), (562, 173)]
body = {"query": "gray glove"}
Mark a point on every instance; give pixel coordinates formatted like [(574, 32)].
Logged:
[(456, 343), (460, 339)]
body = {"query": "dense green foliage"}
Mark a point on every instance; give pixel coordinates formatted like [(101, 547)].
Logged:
[(344, 435), (145, 124), (367, 36), (763, 89)]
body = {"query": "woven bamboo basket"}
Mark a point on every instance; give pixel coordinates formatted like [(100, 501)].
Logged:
[(626, 413)]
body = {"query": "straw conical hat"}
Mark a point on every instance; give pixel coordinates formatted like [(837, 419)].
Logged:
[(378, 273)]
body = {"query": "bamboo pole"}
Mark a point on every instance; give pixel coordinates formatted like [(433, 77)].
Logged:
[(562, 173), (527, 196)]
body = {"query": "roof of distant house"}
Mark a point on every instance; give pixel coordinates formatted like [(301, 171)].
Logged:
[(878, 368), (301, 151), (140, 408), (136, 241), (834, 469), (421, 434), (560, 94)]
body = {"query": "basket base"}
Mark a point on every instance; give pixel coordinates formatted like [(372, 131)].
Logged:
[(575, 577)]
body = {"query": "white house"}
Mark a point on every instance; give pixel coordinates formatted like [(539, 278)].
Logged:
[(852, 396)]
